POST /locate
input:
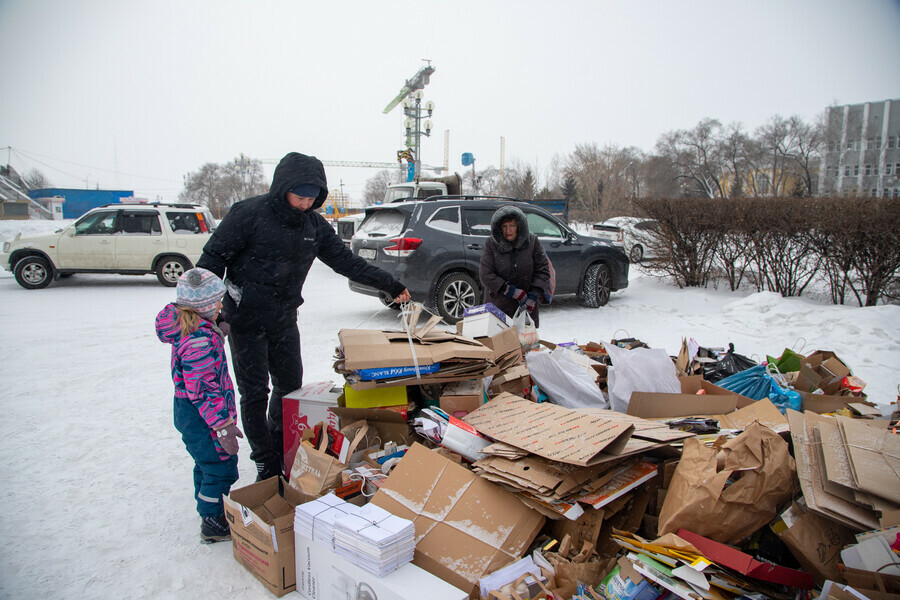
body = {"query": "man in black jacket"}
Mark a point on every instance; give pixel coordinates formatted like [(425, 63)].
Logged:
[(263, 248)]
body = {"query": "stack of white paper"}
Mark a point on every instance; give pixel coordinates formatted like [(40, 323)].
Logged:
[(374, 539), (315, 519)]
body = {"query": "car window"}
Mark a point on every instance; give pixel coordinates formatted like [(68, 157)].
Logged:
[(399, 193), (543, 227), (477, 221), (446, 219), (140, 223), (382, 223), (647, 226), (183, 222), (102, 222)]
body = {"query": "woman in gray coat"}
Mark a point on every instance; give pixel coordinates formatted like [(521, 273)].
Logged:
[(514, 269)]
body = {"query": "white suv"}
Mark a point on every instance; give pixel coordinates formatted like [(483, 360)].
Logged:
[(130, 239)]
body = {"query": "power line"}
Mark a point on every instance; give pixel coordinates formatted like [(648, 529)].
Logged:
[(32, 155)]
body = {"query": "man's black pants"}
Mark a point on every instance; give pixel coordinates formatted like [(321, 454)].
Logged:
[(257, 356)]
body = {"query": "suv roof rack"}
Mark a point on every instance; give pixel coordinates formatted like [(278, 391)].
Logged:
[(175, 205), (469, 197)]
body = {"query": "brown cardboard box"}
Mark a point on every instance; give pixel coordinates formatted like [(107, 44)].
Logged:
[(390, 426), (821, 370), (505, 343), (456, 404), (369, 348), (657, 405), (815, 541), (514, 380), (822, 403), (262, 531), (466, 527)]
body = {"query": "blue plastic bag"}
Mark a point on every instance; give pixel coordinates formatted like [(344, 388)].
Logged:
[(783, 398), (754, 383)]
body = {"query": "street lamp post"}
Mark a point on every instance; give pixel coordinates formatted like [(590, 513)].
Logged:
[(413, 109)]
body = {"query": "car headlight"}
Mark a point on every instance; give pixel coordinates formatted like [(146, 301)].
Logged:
[(6, 246)]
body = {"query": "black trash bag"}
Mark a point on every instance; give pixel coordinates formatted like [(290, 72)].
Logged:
[(728, 365)]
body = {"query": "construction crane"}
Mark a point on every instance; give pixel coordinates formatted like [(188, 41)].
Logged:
[(416, 82)]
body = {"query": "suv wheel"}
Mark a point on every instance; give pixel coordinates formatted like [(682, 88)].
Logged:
[(455, 293), (169, 269), (597, 285), (33, 273), (637, 253)]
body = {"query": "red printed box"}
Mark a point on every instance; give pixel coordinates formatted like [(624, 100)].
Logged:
[(303, 409)]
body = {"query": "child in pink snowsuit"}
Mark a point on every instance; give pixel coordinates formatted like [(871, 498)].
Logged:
[(205, 411)]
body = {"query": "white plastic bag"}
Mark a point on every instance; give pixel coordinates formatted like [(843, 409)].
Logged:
[(564, 380), (528, 335), (639, 370)]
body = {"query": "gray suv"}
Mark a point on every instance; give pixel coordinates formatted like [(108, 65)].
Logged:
[(434, 247)]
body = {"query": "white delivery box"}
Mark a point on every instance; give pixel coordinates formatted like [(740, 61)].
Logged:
[(303, 409), (485, 320), (323, 575)]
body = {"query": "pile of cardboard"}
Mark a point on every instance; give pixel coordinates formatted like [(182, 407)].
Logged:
[(761, 503)]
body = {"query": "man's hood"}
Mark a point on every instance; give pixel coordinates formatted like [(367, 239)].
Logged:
[(298, 169), (502, 214)]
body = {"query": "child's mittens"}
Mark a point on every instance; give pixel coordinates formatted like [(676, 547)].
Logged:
[(228, 436)]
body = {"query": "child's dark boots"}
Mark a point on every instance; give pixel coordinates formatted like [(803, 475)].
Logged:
[(214, 529)]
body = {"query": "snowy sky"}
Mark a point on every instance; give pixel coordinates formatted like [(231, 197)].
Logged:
[(134, 94)]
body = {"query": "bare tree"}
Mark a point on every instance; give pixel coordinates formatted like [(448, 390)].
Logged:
[(808, 139), (697, 157), (376, 186), (36, 180), (242, 178), (202, 187), (220, 186)]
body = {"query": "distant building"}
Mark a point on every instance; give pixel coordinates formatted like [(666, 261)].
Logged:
[(77, 202), (862, 150)]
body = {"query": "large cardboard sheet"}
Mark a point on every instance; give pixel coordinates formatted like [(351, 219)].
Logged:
[(812, 476), (466, 527), (549, 430), (874, 456)]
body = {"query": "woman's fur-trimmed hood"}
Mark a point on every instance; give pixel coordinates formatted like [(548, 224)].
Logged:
[(502, 214)]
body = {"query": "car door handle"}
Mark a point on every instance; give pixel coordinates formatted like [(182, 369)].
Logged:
[(105, 242), (474, 247)]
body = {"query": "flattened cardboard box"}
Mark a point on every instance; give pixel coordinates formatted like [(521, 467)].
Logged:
[(262, 531), (466, 527), (370, 348), (550, 430)]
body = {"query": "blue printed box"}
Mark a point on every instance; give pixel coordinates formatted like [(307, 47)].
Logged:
[(391, 372), (487, 308)]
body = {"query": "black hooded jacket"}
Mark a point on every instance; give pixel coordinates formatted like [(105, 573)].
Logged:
[(264, 249), (521, 263)]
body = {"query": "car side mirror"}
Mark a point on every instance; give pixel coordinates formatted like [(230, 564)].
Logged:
[(71, 232)]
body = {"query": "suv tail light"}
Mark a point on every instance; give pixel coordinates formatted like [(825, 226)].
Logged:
[(621, 236), (202, 221), (403, 246)]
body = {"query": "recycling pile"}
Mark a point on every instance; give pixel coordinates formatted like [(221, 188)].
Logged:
[(610, 470)]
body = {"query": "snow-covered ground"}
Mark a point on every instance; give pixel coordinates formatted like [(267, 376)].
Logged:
[(95, 484)]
